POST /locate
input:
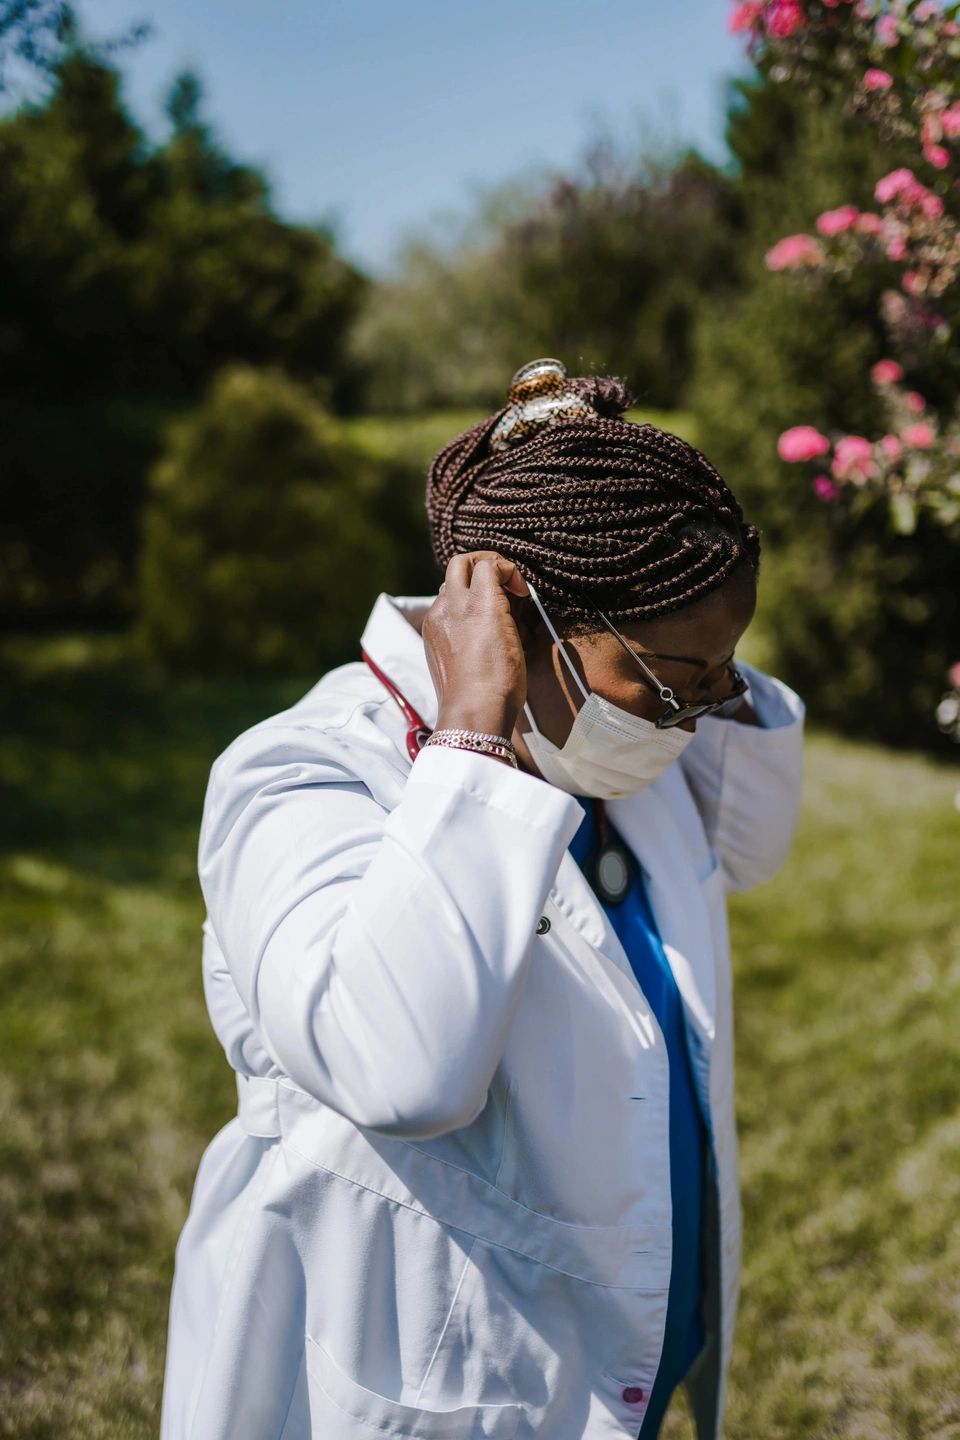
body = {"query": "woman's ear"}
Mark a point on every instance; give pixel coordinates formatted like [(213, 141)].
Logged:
[(525, 618)]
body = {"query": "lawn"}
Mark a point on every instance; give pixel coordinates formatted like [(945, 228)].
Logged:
[(417, 438), (848, 975)]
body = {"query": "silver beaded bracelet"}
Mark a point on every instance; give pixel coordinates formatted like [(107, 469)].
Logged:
[(477, 740)]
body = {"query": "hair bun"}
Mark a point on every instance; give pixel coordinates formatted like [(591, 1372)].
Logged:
[(541, 394), (605, 394)]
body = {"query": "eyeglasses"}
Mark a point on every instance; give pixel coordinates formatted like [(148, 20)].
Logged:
[(676, 710)]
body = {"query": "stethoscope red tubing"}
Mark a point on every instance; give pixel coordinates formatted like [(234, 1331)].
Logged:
[(419, 732)]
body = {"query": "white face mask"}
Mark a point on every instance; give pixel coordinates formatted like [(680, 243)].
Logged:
[(609, 752)]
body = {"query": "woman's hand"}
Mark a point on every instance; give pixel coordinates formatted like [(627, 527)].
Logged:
[(473, 646)]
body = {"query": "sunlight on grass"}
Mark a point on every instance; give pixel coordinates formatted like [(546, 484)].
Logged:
[(111, 1083), (417, 438)]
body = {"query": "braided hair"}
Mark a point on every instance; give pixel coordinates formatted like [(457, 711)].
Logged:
[(591, 507)]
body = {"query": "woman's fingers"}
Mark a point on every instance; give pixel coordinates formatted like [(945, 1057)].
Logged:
[(490, 566), (473, 647), (457, 573)]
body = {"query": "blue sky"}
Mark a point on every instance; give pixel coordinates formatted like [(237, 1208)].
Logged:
[(382, 115)]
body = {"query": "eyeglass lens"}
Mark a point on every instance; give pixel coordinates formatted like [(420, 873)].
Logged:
[(692, 712)]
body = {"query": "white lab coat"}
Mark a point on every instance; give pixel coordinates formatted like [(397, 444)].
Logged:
[(443, 1210)]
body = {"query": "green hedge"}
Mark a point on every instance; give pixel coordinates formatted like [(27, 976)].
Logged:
[(269, 532), (73, 484)]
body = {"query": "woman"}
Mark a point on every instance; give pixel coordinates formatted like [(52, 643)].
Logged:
[(466, 950)]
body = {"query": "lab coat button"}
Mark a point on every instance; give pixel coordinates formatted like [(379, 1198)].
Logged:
[(543, 925), (633, 1395)]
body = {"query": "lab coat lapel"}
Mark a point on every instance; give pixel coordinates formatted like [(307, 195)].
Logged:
[(647, 824)]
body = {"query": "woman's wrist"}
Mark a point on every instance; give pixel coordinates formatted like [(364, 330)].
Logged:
[(498, 747), (483, 724), (484, 716)]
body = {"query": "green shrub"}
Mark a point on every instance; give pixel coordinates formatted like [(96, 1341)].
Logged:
[(269, 533), (863, 627), (73, 481)]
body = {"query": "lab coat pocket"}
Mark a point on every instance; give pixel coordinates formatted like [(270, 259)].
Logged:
[(340, 1409)]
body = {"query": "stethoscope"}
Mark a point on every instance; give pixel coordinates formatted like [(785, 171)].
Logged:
[(418, 731), (611, 867)]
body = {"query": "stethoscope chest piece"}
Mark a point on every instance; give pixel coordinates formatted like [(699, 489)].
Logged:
[(612, 872), (611, 866)]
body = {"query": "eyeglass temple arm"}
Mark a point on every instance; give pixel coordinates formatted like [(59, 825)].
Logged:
[(665, 692)]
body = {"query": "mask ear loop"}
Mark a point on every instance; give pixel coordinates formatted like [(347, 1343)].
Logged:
[(560, 645), (563, 651)]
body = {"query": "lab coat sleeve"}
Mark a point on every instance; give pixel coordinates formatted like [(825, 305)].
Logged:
[(747, 780), (380, 953)]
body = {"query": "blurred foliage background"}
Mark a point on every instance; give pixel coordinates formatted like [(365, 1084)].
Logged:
[(216, 430)]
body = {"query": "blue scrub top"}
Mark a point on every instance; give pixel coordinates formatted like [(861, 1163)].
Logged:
[(633, 921)]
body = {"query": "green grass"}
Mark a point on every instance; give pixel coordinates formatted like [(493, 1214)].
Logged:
[(417, 438), (111, 1083)]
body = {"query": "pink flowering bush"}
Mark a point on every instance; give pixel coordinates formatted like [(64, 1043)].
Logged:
[(948, 711), (836, 222), (915, 466), (794, 251), (886, 372), (803, 442), (897, 63)]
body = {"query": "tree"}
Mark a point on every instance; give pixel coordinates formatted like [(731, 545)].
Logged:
[(604, 267), (35, 35), (139, 270), (133, 273)]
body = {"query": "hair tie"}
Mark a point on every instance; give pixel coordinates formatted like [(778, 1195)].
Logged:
[(540, 395)]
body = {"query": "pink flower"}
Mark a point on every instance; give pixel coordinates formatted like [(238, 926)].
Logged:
[(926, 10), (886, 372), (912, 282), (931, 130), (953, 675), (891, 446), (900, 185), (745, 16), (950, 120), (803, 442), (937, 156), (877, 80), (867, 223), (885, 31), (783, 18), (950, 29), (896, 248), (890, 186), (852, 459), (920, 435), (824, 488), (915, 402), (793, 250), (835, 222), (932, 205), (893, 307)]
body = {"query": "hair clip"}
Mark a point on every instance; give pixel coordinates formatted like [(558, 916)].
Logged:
[(539, 396)]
